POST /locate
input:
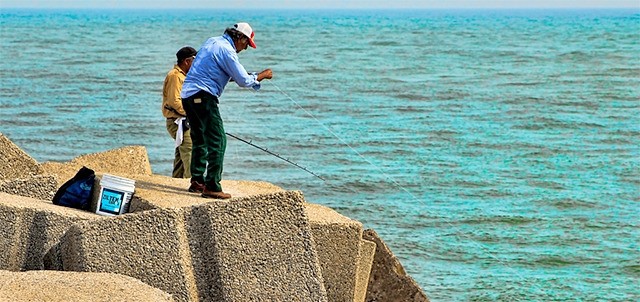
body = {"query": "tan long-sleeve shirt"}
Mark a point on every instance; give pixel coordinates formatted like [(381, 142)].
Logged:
[(171, 93)]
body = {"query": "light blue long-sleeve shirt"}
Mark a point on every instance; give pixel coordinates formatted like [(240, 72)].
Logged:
[(216, 63)]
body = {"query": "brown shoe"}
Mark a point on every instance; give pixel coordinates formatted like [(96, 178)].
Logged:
[(217, 195), (196, 187)]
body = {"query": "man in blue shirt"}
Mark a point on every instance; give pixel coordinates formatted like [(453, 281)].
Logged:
[(215, 65)]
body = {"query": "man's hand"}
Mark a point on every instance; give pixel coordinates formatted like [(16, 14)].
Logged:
[(265, 74)]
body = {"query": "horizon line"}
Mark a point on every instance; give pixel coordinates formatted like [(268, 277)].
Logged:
[(325, 8)]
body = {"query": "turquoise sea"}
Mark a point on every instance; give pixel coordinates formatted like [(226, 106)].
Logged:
[(497, 152)]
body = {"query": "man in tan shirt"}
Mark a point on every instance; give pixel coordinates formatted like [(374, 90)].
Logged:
[(177, 126)]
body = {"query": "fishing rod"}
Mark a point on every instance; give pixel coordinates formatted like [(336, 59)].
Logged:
[(274, 154)]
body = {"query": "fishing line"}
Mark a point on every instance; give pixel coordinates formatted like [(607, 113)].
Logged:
[(250, 143), (460, 235)]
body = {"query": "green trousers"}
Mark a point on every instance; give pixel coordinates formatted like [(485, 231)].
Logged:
[(208, 138), (182, 156)]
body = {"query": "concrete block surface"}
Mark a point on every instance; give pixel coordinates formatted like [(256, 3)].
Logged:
[(256, 248), (14, 162), (157, 191), (53, 286), (388, 281), (261, 249), (338, 241), (36, 186), (150, 246), (29, 228), (365, 263), (129, 160)]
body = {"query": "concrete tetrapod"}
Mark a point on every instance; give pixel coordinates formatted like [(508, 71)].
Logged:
[(54, 286), (257, 248), (29, 228), (15, 163), (389, 282), (344, 256)]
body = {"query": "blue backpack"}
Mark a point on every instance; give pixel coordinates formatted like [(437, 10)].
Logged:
[(76, 192)]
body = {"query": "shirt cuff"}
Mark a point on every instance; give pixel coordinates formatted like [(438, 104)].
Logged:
[(256, 86)]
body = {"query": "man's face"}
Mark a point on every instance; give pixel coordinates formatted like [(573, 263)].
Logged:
[(242, 44), (188, 61)]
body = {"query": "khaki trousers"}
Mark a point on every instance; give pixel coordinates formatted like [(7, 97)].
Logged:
[(182, 157)]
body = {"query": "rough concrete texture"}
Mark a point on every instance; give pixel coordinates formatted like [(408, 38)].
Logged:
[(52, 286), (257, 248), (262, 249), (338, 239), (339, 244), (130, 160), (29, 228), (61, 171), (149, 246), (15, 163), (389, 282), (37, 186), (365, 262), (156, 191)]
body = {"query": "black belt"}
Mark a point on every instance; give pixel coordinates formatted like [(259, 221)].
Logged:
[(204, 95)]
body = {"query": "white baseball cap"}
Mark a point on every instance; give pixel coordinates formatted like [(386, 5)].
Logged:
[(246, 29)]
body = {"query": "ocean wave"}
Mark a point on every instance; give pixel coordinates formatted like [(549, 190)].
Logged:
[(632, 269), (384, 43), (501, 219), (568, 203), (553, 185), (559, 261), (522, 84)]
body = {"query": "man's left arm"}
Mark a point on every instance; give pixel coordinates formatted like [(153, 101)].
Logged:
[(232, 66)]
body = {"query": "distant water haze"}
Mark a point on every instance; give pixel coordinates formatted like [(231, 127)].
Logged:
[(496, 152), (326, 4)]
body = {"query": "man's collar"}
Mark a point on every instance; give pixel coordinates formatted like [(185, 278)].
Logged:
[(179, 69), (226, 36)]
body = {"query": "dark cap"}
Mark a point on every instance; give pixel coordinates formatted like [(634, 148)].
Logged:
[(185, 52)]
